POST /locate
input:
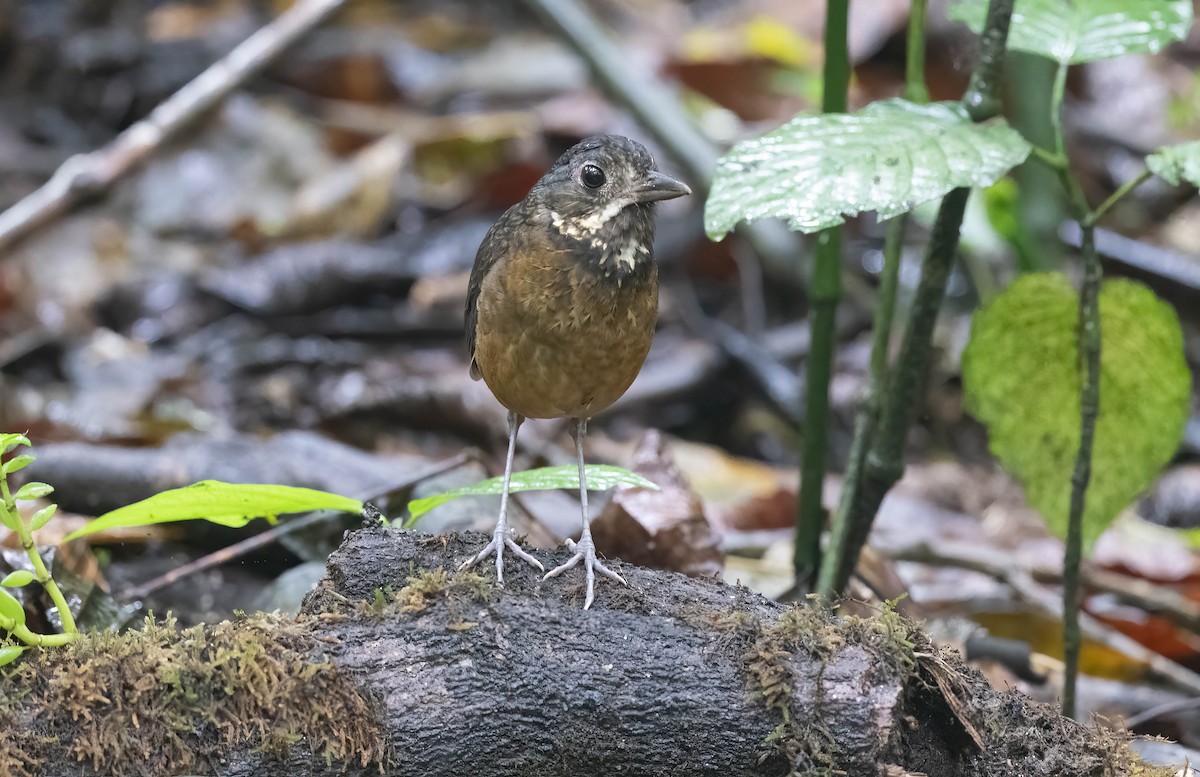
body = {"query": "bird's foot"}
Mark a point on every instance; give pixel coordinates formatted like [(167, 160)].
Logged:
[(500, 537), (585, 551)]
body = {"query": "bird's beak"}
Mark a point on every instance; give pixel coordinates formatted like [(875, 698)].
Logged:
[(659, 186)]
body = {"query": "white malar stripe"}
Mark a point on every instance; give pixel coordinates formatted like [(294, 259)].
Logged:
[(589, 225)]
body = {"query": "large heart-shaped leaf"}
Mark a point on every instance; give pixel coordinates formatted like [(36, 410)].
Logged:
[(600, 477), (227, 504), (1076, 31), (1021, 372), (889, 157), (1176, 164)]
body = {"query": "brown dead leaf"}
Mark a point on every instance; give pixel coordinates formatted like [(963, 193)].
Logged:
[(663, 529)]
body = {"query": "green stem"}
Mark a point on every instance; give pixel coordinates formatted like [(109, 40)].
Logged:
[(1056, 101), (39, 567), (1089, 406), (914, 64), (43, 576), (867, 419), (825, 290), (32, 638), (1116, 196), (1089, 395), (884, 460)]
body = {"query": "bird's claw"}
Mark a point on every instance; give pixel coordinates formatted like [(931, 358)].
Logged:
[(585, 551), (501, 537)]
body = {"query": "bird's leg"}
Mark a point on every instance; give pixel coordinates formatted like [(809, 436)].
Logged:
[(503, 534), (585, 549)]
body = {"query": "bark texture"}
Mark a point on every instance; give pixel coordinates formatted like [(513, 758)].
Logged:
[(398, 667)]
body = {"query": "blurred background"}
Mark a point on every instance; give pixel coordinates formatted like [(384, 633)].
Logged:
[(275, 294)]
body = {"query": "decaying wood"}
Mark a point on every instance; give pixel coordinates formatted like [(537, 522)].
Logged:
[(399, 667)]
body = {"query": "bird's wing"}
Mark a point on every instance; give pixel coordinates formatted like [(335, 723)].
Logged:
[(496, 245)]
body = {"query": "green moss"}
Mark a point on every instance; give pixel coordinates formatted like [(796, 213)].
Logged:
[(814, 630), (159, 701), (430, 585)]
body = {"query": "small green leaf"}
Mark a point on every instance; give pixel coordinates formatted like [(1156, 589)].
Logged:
[(10, 608), (17, 579), (1022, 378), (10, 521), (1077, 31), (33, 490), (42, 517), (227, 504), (10, 441), (16, 464), (889, 157), (1176, 164), (10, 653), (600, 477)]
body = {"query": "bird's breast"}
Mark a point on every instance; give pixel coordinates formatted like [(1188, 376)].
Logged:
[(558, 337)]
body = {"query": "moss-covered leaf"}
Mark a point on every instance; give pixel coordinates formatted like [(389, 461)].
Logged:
[(1076, 31), (1021, 371), (227, 504), (1177, 164), (599, 478), (889, 157)]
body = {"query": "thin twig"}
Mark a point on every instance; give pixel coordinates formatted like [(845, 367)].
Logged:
[(85, 175)]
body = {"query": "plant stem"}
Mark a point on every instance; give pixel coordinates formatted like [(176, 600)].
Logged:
[(825, 290), (1116, 196), (1089, 394), (867, 419), (914, 61), (884, 460), (1089, 408), (39, 567)]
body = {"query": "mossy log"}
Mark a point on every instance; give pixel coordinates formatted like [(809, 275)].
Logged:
[(398, 667)]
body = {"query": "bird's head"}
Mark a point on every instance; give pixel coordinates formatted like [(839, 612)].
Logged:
[(599, 197)]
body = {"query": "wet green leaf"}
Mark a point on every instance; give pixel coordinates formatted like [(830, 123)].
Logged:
[(889, 157), (42, 517), (33, 490), (10, 653), (1177, 164), (1077, 31), (10, 608), (227, 504), (1022, 378), (599, 477), (10, 441), (17, 579), (15, 464)]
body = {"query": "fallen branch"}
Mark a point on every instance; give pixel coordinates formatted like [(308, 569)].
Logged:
[(398, 667), (85, 175)]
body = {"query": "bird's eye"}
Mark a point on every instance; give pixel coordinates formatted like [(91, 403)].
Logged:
[(592, 177)]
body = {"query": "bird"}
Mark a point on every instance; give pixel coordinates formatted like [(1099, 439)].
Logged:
[(562, 306)]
